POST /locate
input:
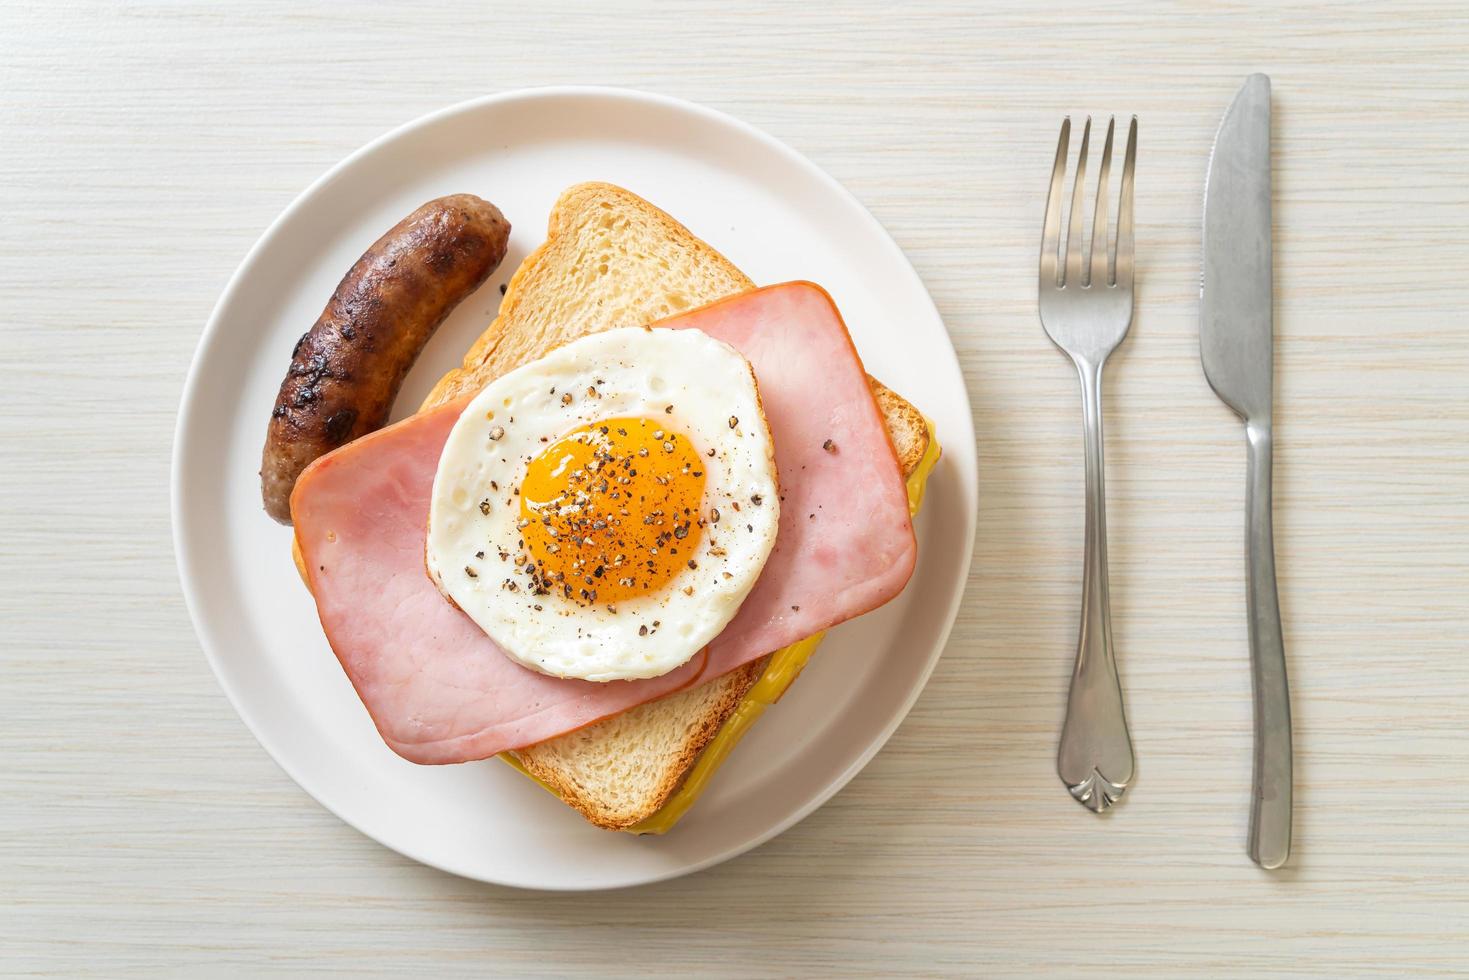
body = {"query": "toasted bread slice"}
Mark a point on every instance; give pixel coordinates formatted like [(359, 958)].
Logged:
[(612, 259)]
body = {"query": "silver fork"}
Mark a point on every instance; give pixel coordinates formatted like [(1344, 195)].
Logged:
[(1086, 308)]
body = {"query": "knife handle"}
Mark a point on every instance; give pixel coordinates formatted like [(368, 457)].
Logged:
[(1270, 799)]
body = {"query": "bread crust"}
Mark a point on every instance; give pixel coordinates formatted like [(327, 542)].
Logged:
[(907, 427), (732, 690), (505, 345)]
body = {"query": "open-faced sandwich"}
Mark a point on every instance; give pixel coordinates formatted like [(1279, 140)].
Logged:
[(613, 536)]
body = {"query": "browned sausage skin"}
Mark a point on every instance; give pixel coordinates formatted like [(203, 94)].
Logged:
[(347, 369)]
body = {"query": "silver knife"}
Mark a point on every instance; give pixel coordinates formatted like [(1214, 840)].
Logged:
[(1236, 339)]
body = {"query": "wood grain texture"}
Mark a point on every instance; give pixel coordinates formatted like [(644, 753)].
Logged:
[(144, 146)]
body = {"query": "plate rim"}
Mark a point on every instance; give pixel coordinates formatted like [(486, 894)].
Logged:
[(182, 435)]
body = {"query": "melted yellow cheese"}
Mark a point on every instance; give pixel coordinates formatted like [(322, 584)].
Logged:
[(784, 667), (918, 482)]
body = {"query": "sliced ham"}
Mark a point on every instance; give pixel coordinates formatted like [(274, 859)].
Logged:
[(846, 538), (436, 686), (440, 690)]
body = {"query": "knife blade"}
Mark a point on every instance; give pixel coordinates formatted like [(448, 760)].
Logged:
[(1236, 344), (1237, 326)]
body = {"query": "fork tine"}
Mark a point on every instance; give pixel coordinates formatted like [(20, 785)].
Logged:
[(1051, 232), (1097, 267), (1123, 275), (1076, 228)]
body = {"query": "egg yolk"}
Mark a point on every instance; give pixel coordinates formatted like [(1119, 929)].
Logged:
[(610, 511)]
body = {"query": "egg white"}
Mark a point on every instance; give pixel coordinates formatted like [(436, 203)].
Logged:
[(636, 372)]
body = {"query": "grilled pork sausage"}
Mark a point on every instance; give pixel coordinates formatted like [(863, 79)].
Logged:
[(347, 369)]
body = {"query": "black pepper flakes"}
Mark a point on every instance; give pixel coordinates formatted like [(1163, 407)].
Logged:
[(733, 421), (829, 446), (497, 433)]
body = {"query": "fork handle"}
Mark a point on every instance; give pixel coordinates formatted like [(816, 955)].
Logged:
[(1270, 797), (1095, 758)]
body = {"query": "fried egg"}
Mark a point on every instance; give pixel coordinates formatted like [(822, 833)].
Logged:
[(602, 512)]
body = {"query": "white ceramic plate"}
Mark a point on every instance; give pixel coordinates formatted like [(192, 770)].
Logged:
[(778, 217)]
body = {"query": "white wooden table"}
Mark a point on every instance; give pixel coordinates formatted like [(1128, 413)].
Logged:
[(144, 146)]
